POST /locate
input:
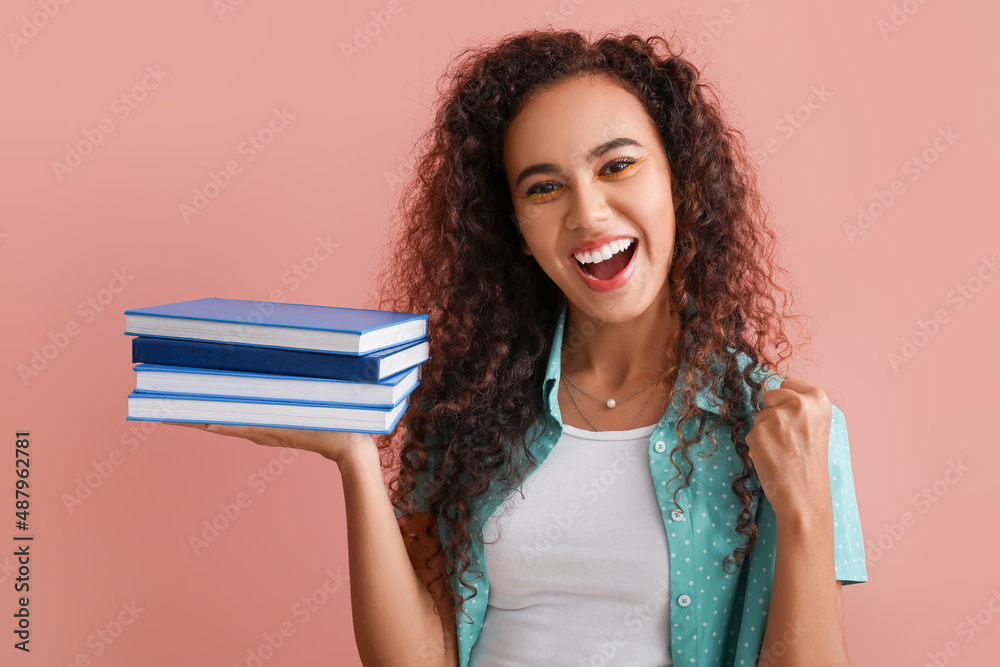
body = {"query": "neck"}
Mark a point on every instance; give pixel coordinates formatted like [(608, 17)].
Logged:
[(612, 357)]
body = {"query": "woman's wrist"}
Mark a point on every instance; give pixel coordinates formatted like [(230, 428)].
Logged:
[(361, 451)]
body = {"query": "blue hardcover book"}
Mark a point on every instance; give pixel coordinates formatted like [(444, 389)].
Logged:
[(205, 409), (355, 331), (371, 367), (187, 380)]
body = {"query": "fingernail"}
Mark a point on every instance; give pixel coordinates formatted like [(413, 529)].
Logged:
[(211, 428)]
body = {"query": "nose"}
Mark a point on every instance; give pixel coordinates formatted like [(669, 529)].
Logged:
[(588, 206)]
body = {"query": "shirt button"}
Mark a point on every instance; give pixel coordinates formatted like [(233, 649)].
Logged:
[(660, 446), (677, 515), (683, 600)]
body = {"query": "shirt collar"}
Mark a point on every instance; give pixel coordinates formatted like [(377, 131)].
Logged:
[(705, 398)]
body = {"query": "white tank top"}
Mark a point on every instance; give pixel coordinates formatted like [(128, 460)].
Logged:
[(580, 574)]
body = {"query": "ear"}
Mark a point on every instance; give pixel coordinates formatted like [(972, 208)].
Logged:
[(524, 247)]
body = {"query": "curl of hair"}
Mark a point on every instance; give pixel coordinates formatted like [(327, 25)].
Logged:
[(455, 255)]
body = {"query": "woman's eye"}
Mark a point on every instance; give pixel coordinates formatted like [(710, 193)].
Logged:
[(619, 166), (536, 193), (624, 163)]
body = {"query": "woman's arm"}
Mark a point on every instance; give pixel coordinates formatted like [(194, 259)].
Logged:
[(790, 445), (392, 606), (805, 621)]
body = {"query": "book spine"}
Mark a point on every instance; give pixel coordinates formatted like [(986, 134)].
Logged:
[(254, 359)]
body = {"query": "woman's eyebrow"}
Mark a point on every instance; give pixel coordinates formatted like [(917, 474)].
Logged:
[(595, 153)]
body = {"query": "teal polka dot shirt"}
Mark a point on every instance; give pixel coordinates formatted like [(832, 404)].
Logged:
[(715, 618)]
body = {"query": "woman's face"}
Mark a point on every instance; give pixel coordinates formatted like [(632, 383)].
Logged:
[(586, 166)]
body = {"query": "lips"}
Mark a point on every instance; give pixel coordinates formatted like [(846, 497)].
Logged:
[(615, 281), (597, 243)]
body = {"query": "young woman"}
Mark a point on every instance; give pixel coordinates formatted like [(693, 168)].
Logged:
[(601, 465)]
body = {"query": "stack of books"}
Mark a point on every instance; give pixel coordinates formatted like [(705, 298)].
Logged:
[(266, 363)]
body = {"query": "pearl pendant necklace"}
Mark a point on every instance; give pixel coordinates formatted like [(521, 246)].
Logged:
[(610, 402)]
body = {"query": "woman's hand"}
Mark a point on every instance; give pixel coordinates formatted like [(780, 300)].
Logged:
[(334, 445), (789, 447)]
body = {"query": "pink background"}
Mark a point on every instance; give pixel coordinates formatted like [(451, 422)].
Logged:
[(326, 175)]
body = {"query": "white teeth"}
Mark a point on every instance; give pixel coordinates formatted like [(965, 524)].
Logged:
[(603, 253)]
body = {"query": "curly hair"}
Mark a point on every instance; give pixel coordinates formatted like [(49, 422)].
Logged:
[(492, 310)]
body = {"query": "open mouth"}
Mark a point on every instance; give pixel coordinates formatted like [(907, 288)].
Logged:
[(609, 268)]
